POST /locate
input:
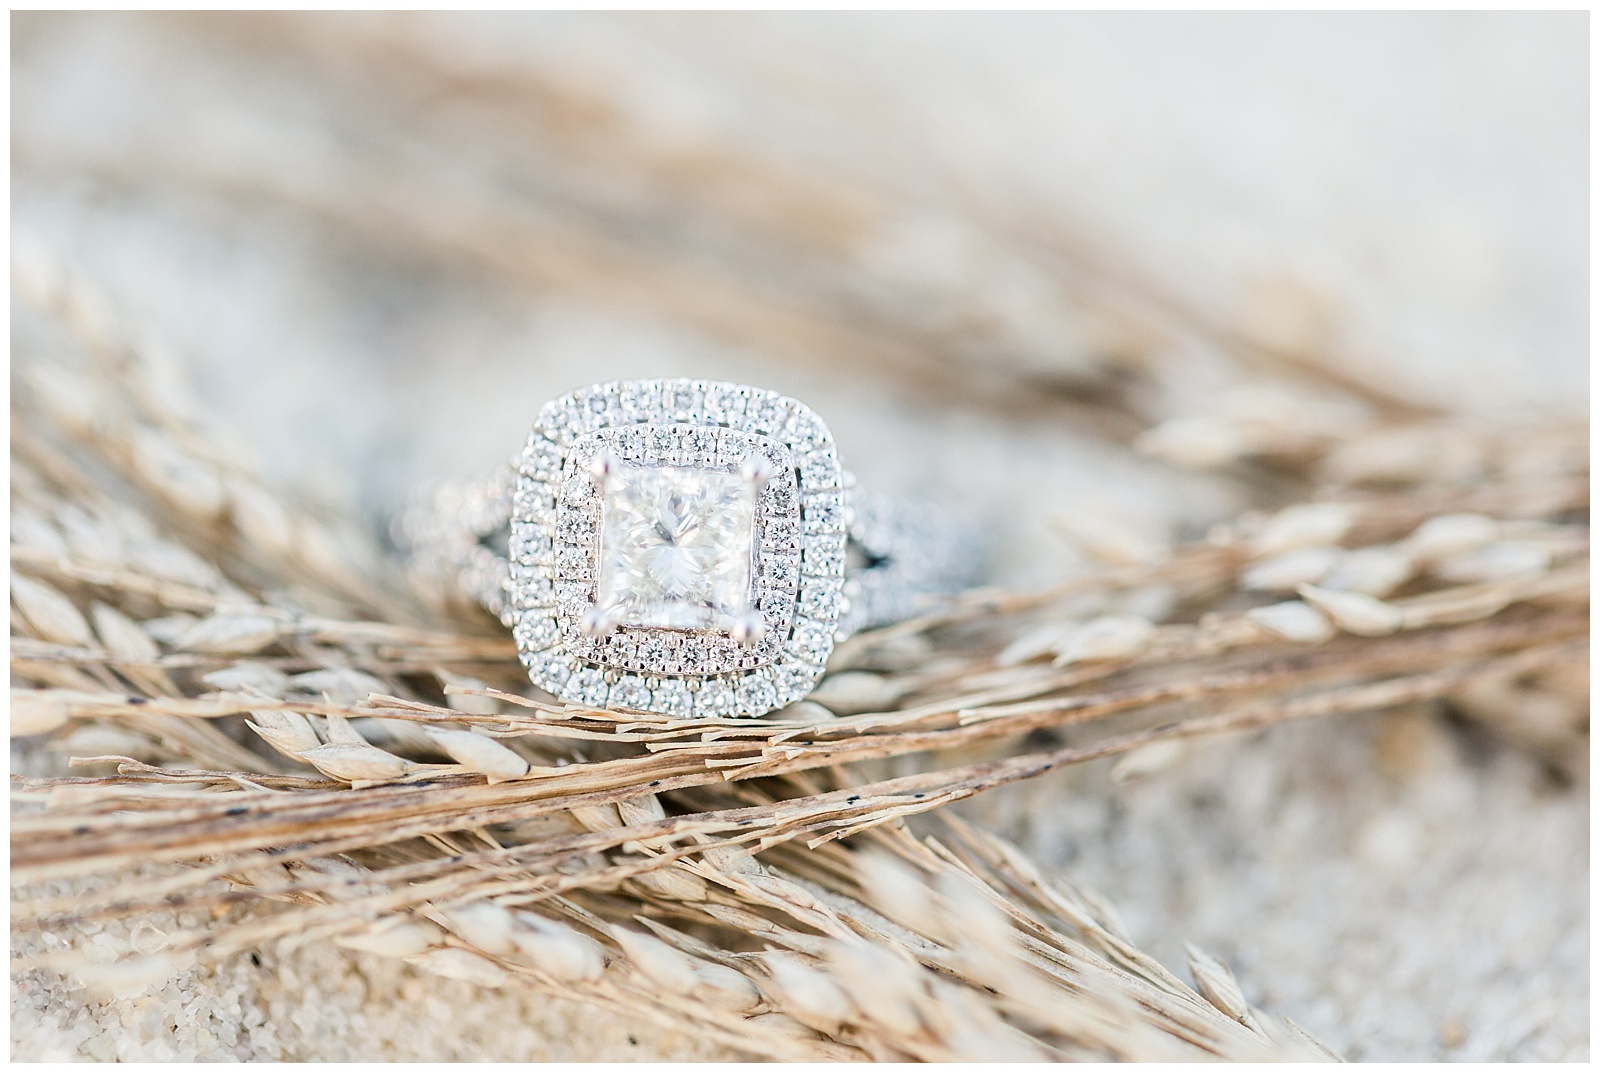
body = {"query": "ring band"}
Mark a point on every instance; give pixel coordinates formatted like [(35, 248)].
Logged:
[(686, 547)]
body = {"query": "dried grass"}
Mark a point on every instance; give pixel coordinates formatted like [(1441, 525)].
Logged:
[(695, 872), (261, 708)]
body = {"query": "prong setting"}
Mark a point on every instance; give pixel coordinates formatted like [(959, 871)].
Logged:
[(748, 628), (597, 623), (602, 467), (757, 469)]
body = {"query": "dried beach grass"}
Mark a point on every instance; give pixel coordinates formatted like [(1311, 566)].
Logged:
[(258, 706), (272, 728)]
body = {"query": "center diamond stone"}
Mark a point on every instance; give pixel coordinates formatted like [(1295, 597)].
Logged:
[(676, 547)]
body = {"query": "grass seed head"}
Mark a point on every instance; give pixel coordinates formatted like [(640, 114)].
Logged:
[(229, 634), (36, 711), (402, 940), (478, 753), (485, 925), (258, 679), (884, 987), (1293, 620), (1493, 562), (460, 964), (1449, 534), (122, 636), (1218, 984), (725, 987), (1285, 571), (1304, 525), (1354, 612), (809, 995), (1376, 571), (663, 965), (51, 615), (1110, 637), (356, 763), (557, 949)]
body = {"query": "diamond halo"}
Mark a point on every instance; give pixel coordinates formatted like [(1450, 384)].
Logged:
[(656, 521)]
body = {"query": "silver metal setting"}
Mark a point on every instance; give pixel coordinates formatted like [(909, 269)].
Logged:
[(823, 559)]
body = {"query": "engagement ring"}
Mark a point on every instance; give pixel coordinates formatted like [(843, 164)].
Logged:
[(685, 547)]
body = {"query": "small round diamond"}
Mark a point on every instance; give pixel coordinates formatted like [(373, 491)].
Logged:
[(531, 586), (548, 425), (819, 601), (541, 458), (715, 697), (680, 400), (777, 608), (693, 655), (536, 630), (702, 446), (640, 401), (715, 405), (577, 490), (532, 499), (573, 606), (793, 680), (672, 697), (652, 650), (574, 564), (814, 639), (766, 413), (824, 513), (806, 432), (575, 527), (780, 571), (630, 692), (821, 558), (584, 646), (756, 695), (588, 686), (781, 534), (566, 422), (779, 496), (548, 671), (528, 547)]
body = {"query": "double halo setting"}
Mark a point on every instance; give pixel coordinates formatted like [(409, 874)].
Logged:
[(679, 547)]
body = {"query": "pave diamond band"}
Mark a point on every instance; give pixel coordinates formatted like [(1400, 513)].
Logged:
[(685, 547)]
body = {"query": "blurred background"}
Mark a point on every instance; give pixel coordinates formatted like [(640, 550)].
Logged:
[(993, 251)]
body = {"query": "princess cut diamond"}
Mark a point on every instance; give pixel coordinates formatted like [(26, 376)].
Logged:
[(676, 547)]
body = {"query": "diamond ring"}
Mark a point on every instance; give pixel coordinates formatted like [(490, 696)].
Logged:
[(686, 547)]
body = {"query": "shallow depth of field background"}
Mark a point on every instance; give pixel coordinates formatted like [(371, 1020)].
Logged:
[(988, 250)]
